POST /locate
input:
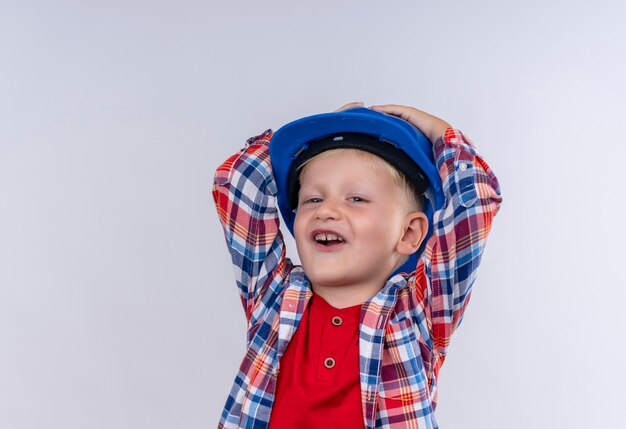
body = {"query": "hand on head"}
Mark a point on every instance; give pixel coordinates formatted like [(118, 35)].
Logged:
[(430, 125)]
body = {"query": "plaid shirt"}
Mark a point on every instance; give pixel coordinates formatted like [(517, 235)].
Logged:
[(405, 328)]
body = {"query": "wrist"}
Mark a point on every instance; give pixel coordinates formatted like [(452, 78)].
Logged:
[(437, 130)]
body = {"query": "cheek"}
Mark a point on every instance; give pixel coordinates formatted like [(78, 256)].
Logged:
[(380, 228), (299, 235), (298, 226)]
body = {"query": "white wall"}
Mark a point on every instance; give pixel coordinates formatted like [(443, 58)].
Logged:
[(117, 303)]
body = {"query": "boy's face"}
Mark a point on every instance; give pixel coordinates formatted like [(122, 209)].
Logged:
[(351, 216)]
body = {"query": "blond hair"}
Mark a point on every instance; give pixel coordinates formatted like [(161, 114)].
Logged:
[(414, 199)]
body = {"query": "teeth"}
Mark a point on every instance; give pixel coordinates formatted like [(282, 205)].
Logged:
[(327, 237)]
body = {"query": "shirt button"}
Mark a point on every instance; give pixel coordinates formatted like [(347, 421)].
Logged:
[(329, 363), (454, 140), (463, 166), (337, 321)]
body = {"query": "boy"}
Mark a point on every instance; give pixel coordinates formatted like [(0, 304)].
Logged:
[(390, 239)]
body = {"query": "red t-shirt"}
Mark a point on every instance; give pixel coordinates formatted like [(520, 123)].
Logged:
[(318, 383)]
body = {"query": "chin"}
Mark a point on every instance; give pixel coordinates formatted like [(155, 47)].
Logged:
[(325, 278)]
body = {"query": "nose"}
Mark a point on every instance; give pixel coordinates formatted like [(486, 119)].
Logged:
[(328, 209)]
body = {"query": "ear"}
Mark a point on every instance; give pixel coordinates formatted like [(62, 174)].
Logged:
[(415, 229)]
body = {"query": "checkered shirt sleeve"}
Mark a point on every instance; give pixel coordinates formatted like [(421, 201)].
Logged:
[(461, 227), (245, 192)]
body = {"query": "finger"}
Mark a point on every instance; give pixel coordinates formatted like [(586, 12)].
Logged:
[(405, 112), (415, 116), (350, 105), (428, 124)]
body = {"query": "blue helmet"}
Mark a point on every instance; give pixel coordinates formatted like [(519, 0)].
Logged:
[(392, 138)]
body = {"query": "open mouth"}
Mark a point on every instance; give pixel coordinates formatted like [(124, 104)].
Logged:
[(328, 239)]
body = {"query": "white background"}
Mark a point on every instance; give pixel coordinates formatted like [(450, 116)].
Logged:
[(117, 303)]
